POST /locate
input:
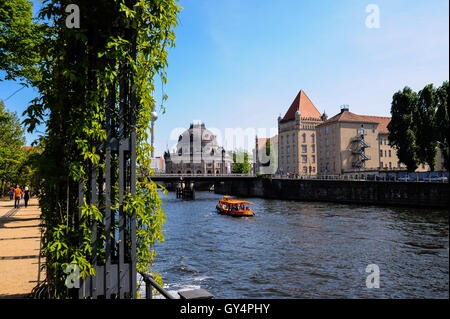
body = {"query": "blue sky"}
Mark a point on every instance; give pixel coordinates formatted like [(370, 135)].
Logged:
[(240, 63)]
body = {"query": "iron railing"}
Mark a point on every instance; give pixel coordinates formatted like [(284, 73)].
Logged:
[(150, 283)]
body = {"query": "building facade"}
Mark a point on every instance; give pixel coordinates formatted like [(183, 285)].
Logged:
[(297, 147), (197, 152), (349, 143)]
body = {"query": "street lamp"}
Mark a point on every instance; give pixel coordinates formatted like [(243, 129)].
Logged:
[(223, 161), (154, 118)]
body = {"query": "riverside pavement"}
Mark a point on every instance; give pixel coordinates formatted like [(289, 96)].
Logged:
[(19, 248)]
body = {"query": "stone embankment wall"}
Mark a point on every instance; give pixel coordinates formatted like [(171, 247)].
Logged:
[(418, 194)]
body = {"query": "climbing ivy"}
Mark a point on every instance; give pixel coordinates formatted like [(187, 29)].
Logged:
[(120, 43)]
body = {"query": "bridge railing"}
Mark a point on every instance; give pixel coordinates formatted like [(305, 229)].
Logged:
[(357, 176), (393, 177), (202, 175)]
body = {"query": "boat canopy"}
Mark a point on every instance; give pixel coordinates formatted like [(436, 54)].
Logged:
[(235, 201)]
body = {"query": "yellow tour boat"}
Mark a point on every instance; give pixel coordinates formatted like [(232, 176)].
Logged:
[(234, 207)]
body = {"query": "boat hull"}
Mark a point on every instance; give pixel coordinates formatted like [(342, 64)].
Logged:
[(239, 213)]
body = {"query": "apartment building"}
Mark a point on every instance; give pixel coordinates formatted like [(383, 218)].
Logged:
[(351, 143), (297, 147)]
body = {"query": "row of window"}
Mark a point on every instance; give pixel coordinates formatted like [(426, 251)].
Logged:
[(305, 169), (313, 138), (385, 153), (386, 165), (390, 165), (304, 159), (304, 149)]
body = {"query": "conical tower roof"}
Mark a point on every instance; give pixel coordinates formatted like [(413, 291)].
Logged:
[(302, 104)]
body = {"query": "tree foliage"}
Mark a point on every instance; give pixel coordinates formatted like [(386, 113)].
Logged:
[(425, 121), (241, 164), (19, 40), (419, 124), (402, 127), (14, 158), (443, 121)]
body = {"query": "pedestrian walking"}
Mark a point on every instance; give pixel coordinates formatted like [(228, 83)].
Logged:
[(26, 196), (11, 193), (17, 196)]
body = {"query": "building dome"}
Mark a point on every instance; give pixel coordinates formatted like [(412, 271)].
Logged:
[(197, 151)]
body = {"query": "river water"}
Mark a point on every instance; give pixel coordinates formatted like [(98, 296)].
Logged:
[(303, 250)]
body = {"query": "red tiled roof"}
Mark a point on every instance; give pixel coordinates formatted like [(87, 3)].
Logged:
[(347, 116), (383, 122), (303, 104)]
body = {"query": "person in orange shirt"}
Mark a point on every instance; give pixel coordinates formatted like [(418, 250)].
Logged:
[(17, 196)]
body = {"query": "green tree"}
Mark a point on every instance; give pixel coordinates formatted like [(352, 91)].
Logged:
[(425, 123), (442, 121), (12, 153), (20, 40), (241, 164), (402, 127)]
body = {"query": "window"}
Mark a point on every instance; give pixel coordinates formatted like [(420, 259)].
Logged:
[(381, 141), (381, 164), (326, 130), (390, 165), (288, 150), (314, 169), (304, 148), (303, 138), (281, 139), (385, 153), (312, 138), (328, 154), (326, 142), (287, 159), (314, 158), (305, 169), (304, 159), (381, 153), (389, 153), (313, 148)]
